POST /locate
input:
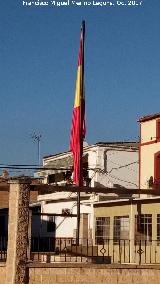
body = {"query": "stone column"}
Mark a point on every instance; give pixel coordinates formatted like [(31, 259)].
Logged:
[(29, 235), (16, 272)]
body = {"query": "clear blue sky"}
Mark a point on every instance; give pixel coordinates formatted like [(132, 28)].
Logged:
[(38, 59)]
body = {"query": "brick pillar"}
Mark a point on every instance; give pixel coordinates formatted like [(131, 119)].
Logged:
[(16, 272), (29, 235)]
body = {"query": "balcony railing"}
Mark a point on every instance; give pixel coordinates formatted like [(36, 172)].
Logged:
[(121, 251), (44, 249)]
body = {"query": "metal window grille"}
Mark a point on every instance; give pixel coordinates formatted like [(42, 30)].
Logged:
[(121, 228), (143, 227), (102, 230)]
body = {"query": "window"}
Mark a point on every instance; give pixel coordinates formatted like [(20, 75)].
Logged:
[(51, 178), (121, 228), (51, 224), (158, 227), (157, 169), (102, 230), (143, 227), (158, 129)]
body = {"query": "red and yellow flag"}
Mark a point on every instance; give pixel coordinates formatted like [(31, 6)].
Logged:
[(78, 117)]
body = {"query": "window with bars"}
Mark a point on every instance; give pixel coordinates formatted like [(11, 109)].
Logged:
[(121, 228), (143, 227), (102, 230)]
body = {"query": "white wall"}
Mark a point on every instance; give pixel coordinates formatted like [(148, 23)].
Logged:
[(65, 226), (118, 167)]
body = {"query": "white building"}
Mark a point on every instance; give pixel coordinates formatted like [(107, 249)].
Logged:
[(105, 165)]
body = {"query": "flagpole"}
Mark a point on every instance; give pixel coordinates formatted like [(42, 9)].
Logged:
[(81, 141)]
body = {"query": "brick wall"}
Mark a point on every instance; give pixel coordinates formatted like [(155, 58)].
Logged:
[(89, 274), (95, 274), (4, 198), (33, 196)]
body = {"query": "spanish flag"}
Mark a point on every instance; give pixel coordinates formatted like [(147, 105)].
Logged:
[(78, 118)]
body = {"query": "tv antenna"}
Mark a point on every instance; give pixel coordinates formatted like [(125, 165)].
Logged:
[(37, 138)]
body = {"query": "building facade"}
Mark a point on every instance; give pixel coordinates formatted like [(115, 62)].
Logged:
[(105, 165), (111, 164), (149, 151), (129, 229)]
